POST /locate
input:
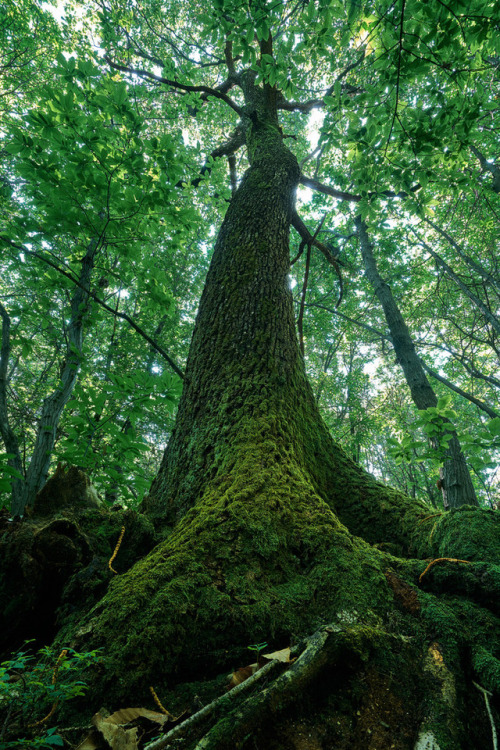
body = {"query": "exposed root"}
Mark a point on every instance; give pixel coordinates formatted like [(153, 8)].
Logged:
[(441, 559), (110, 563), (323, 648)]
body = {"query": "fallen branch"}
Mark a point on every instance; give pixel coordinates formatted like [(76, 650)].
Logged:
[(188, 725), (487, 696)]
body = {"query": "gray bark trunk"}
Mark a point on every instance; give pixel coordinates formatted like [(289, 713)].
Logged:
[(53, 405), (456, 482), (8, 435)]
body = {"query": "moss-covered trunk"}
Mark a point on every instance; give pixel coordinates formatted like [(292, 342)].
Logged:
[(272, 533)]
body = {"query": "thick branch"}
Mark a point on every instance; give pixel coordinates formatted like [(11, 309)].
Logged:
[(465, 394), (398, 76), (320, 102), (176, 84), (311, 240), (487, 166), (341, 195), (327, 190), (235, 141), (228, 54)]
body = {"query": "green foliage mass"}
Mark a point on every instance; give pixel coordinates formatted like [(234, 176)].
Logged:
[(31, 685)]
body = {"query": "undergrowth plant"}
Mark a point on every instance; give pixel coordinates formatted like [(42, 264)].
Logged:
[(32, 688)]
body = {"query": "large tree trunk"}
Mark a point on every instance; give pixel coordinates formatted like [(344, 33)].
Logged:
[(252, 497)]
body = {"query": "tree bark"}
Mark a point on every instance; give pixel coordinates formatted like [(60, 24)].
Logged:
[(456, 483), (245, 375), (8, 435)]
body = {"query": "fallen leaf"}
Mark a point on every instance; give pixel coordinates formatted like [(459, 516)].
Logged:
[(126, 715), (111, 728), (241, 674), (283, 656), (115, 735), (91, 742)]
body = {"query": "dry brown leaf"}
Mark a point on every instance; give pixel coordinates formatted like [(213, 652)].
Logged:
[(283, 656), (108, 725), (242, 674), (115, 735), (91, 742), (126, 715)]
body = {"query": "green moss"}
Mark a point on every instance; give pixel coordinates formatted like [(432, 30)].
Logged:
[(260, 557), (487, 668)]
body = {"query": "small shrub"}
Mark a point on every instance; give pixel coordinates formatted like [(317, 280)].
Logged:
[(32, 688)]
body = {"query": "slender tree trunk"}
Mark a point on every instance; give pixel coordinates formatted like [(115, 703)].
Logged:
[(53, 405), (8, 435), (457, 487)]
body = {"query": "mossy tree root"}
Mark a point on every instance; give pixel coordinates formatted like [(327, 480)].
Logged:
[(325, 647)]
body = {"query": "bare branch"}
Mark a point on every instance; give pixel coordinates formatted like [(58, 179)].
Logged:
[(320, 102), (400, 48), (465, 394), (327, 190), (310, 240), (235, 141)]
